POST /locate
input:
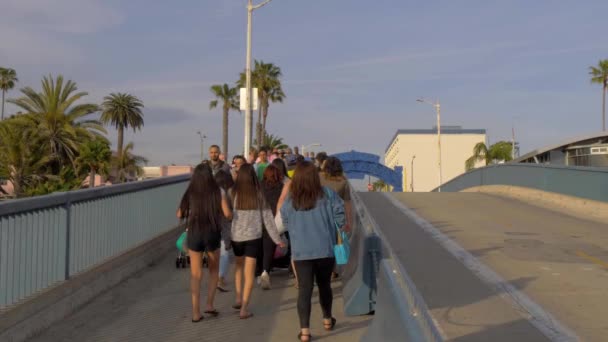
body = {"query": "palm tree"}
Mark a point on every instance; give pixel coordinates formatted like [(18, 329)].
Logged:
[(8, 78), (265, 77), (228, 97), (20, 160), (128, 164), (599, 75), (271, 141), (379, 185), (60, 125), (500, 151), (95, 155), (122, 111)]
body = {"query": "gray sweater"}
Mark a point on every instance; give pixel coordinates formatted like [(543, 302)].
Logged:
[(247, 224)]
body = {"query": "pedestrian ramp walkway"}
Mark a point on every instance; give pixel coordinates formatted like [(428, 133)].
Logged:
[(154, 305)]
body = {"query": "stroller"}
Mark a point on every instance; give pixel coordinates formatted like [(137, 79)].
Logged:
[(183, 259)]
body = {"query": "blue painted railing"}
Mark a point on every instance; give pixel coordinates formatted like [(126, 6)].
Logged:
[(374, 281), (45, 240), (584, 182)]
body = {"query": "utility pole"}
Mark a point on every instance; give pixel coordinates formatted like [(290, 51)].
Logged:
[(249, 110), (203, 137), (512, 142), (412, 176), (437, 107)]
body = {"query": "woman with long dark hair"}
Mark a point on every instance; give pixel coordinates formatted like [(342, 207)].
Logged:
[(225, 182), (332, 176), (251, 214), (272, 184), (280, 164), (310, 214), (203, 206)]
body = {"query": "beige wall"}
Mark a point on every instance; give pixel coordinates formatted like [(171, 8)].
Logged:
[(166, 170), (455, 150)]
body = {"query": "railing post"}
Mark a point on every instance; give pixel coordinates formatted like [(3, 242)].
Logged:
[(67, 205), (374, 255)]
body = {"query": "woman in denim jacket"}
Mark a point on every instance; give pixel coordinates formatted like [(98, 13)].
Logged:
[(311, 214)]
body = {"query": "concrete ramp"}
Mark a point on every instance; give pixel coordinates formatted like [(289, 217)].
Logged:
[(553, 261), (155, 306)]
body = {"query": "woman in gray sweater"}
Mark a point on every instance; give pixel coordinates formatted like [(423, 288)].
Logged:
[(251, 215)]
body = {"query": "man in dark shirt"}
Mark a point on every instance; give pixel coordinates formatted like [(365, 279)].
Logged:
[(215, 161)]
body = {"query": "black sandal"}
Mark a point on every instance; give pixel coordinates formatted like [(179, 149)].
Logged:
[(198, 320), (213, 313), (330, 326), (300, 335)]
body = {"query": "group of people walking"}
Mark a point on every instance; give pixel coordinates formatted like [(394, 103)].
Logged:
[(238, 207)]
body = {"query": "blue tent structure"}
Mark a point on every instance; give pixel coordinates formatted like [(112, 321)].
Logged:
[(357, 165)]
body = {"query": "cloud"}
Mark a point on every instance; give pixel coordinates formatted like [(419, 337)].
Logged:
[(429, 53), (66, 16), (226, 8), (35, 31), (165, 116), (21, 47)]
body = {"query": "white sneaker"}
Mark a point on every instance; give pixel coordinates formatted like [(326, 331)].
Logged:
[(265, 280)]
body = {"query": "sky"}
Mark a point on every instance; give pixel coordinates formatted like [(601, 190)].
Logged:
[(352, 69)]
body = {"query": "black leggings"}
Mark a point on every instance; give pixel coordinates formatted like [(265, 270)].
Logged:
[(265, 258), (307, 271)]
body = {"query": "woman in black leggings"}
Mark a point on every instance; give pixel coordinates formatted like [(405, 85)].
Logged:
[(311, 214), (272, 184)]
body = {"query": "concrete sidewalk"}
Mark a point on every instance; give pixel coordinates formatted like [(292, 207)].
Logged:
[(155, 305)]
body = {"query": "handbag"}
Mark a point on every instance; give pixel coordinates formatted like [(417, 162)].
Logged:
[(279, 251), (342, 246), (181, 242)]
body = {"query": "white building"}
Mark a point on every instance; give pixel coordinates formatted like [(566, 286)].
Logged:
[(417, 151)]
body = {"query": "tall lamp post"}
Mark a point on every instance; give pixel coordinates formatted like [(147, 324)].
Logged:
[(203, 137), (248, 110), (303, 147), (437, 107), (412, 182)]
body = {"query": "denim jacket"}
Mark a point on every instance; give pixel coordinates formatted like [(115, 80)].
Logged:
[(312, 233)]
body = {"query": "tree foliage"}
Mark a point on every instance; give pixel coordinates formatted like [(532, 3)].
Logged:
[(55, 141), (501, 151)]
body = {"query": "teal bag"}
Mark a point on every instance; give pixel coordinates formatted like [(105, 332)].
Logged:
[(180, 243), (342, 246)]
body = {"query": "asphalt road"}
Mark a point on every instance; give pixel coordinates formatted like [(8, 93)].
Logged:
[(559, 262)]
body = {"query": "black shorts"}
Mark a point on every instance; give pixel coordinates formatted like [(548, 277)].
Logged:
[(251, 248), (201, 241)]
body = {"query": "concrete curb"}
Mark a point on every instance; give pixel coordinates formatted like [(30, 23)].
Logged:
[(582, 208), (26, 319)]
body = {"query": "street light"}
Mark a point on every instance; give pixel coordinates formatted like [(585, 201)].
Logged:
[(203, 137), (248, 110), (437, 107), (412, 183), (303, 147)]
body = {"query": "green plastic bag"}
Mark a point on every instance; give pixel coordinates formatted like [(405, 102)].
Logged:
[(181, 242)]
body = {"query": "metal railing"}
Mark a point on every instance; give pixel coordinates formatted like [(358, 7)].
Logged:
[(376, 280), (583, 182), (47, 239)]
